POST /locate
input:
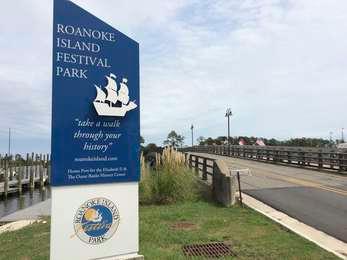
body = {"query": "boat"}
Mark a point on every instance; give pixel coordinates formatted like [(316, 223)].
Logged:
[(105, 102)]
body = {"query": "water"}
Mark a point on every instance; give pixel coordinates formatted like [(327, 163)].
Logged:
[(15, 202)]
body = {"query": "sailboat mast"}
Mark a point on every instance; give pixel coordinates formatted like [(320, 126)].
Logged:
[(9, 141)]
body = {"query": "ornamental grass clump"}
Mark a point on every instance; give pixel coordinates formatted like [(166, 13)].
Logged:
[(145, 186), (170, 181)]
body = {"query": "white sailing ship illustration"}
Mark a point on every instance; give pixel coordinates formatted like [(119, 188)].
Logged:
[(113, 102)]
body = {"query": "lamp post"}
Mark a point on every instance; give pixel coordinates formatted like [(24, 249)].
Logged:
[(228, 114), (192, 128)]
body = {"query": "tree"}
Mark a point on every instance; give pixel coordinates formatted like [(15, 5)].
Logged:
[(251, 140), (221, 140), (209, 141), (142, 140), (151, 148), (173, 139), (19, 158), (272, 142), (201, 140)]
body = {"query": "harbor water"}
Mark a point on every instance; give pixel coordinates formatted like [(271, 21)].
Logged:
[(28, 198)]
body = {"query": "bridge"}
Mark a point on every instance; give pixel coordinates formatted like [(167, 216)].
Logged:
[(314, 191)]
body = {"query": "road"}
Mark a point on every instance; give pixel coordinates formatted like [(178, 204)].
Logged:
[(318, 199)]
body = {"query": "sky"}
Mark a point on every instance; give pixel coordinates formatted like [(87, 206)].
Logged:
[(280, 65)]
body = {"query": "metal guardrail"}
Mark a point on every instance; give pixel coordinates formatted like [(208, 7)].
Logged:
[(330, 159)]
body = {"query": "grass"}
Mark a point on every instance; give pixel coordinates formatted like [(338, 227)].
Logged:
[(169, 181), (251, 235), (29, 243)]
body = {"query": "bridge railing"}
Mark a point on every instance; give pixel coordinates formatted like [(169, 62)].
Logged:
[(217, 174), (201, 165), (320, 158)]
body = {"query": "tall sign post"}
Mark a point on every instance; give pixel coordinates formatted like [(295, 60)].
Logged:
[(95, 138)]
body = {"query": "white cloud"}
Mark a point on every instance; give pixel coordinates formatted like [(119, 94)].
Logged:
[(279, 64)]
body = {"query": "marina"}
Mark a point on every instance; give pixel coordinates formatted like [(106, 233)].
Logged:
[(15, 204), (18, 174)]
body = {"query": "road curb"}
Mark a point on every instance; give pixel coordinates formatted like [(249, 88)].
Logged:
[(325, 241)]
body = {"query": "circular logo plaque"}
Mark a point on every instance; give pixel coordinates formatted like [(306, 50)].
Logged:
[(96, 220)]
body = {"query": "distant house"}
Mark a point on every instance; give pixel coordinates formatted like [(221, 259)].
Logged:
[(342, 146)]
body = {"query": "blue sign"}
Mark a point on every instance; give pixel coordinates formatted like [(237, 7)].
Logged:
[(96, 115)]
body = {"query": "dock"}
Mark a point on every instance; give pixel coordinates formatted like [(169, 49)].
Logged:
[(17, 173)]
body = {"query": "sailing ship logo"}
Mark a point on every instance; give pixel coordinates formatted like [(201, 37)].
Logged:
[(113, 102)]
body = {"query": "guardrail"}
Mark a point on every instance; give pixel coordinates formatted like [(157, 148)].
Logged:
[(206, 164), (223, 183), (324, 158)]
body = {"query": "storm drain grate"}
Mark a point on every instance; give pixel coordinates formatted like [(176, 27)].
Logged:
[(217, 249)]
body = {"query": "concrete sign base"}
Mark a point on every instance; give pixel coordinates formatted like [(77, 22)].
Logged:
[(95, 222), (125, 257)]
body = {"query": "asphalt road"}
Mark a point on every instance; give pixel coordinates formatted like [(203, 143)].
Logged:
[(318, 199)]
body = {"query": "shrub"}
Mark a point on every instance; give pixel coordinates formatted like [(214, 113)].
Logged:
[(170, 181)]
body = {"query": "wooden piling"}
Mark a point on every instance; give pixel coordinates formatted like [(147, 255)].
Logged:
[(32, 173), (27, 167), (1, 167), (6, 177), (10, 167), (48, 169), (19, 177), (41, 164)]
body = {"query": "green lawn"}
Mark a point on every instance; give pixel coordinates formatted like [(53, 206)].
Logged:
[(251, 235)]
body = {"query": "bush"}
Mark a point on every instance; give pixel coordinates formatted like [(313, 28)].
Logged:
[(170, 181)]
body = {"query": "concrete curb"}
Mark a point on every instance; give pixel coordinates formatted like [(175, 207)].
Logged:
[(323, 240), (16, 225)]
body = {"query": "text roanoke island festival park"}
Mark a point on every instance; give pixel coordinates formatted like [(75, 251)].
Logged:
[(69, 39), (95, 119)]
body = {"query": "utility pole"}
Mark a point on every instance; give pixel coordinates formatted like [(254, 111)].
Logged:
[(192, 128), (228, 114)]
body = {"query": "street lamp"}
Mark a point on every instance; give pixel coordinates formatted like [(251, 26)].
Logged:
[(192, 128), (228, 114)]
